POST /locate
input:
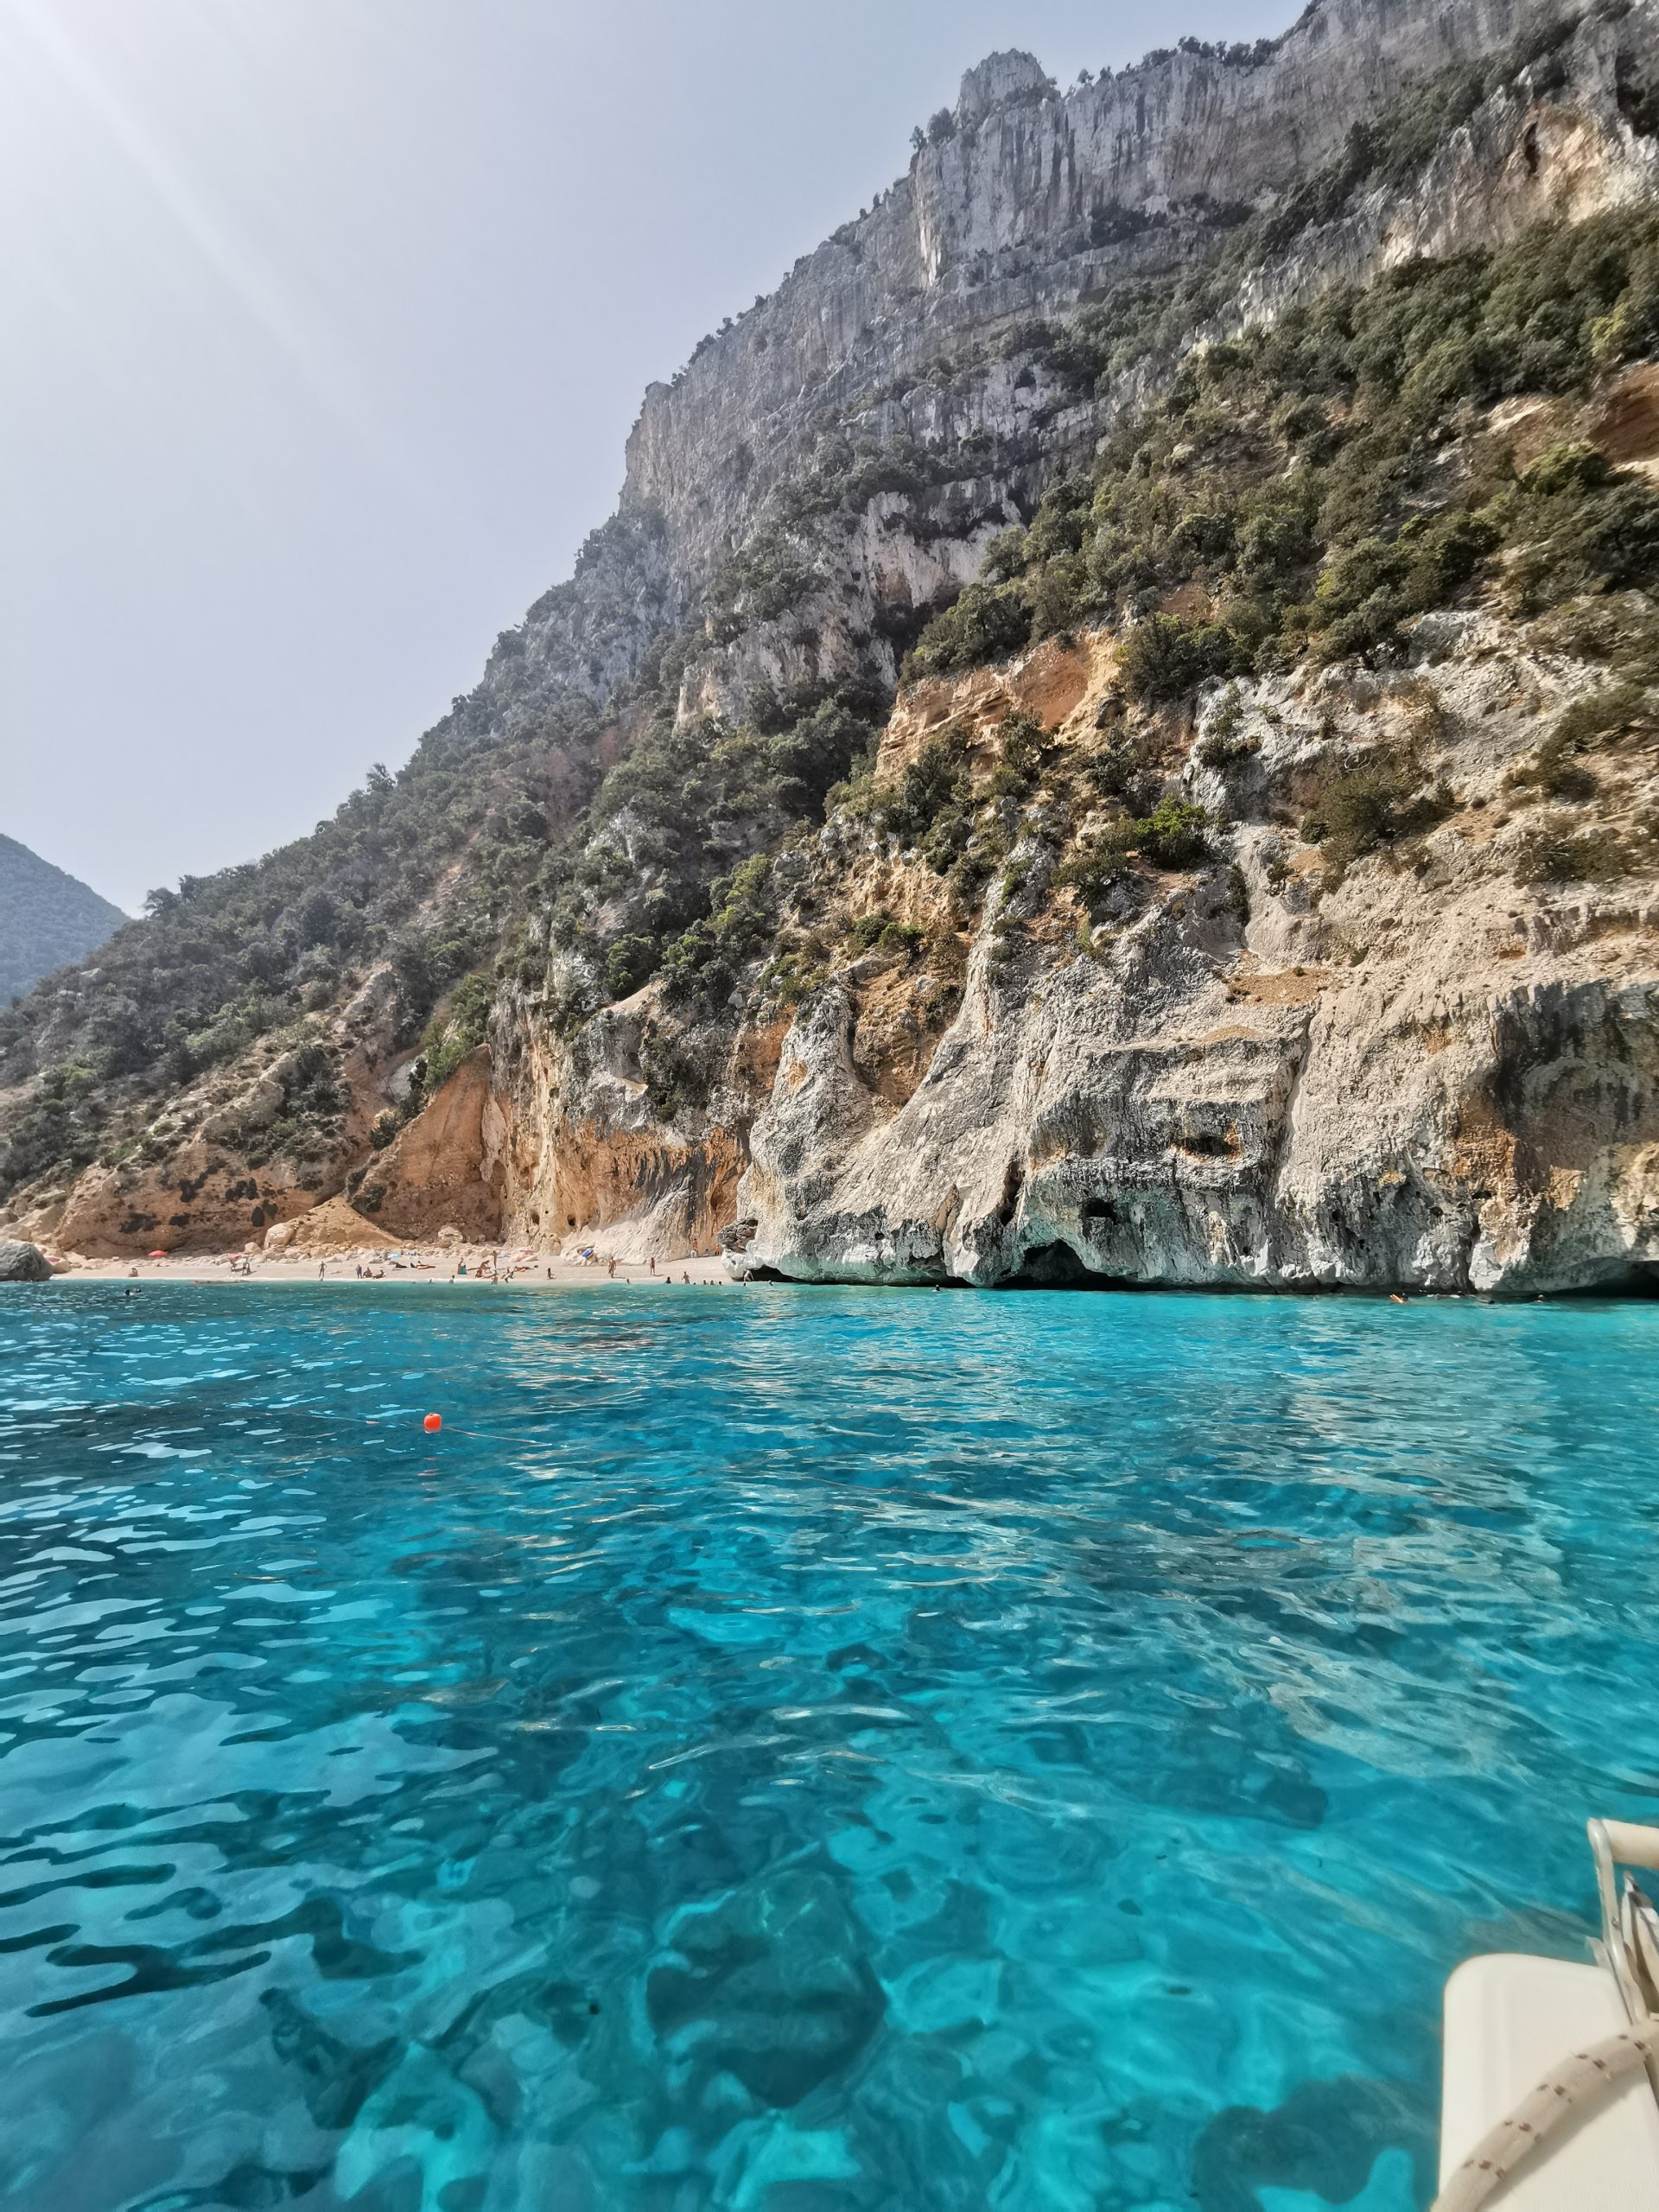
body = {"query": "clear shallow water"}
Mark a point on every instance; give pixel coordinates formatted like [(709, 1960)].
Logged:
[(790, 1750)]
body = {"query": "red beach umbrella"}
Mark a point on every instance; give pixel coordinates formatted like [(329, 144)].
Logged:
[(158, 1256)]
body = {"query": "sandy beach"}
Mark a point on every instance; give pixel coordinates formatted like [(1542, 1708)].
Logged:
[(487, 1269)]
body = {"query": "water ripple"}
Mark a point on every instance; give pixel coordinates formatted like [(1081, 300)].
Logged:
[(790, 1750)]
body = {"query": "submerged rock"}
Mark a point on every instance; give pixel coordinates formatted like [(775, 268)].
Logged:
[(772, 1986)]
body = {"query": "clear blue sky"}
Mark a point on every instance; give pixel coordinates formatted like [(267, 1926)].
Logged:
[(326, 320)]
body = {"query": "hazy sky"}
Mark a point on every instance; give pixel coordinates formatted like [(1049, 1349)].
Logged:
[(325, 321)]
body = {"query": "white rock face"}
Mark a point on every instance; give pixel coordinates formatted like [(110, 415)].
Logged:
[(1447, 1131), (1426, 1080), (1038, 203)]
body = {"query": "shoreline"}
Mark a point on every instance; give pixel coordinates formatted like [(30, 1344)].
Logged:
[(545, 1274), (523, 1267)]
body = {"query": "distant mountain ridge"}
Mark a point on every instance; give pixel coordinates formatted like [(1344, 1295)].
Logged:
[(48, 918)]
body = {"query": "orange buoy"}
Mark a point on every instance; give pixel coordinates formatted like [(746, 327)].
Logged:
[(434, 1423)]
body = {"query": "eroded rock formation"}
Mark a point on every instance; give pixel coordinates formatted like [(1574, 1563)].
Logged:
[(1427, 1077)]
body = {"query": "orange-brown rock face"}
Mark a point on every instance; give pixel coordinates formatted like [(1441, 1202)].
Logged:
[(197, 1200), (1049, 684), (444, 1170), (645, 1194), (589, 1156)]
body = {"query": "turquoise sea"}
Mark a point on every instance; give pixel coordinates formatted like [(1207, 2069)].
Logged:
[(792, 1750)]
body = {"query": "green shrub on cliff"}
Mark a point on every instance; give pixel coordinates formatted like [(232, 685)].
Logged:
[(1320, 483), (1164, 657), (1578, 524), (1172, 836), (629, 962), (989, 622), (933, 784), (1557, 850), (706, 959), (459, 1028), (1371, 806)]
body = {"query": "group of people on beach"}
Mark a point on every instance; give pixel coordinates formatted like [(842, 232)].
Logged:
[(500, 1267), (493, 1267)]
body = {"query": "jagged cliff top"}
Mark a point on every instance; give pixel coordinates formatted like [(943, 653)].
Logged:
[(1030, 201), (1000, 78)]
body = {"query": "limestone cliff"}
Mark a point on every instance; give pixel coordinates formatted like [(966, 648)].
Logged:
[(1427, 1076), (1034, 203), (1037, 204), (901, 852)]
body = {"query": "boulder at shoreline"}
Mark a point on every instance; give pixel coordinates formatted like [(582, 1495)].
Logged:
[(22, 1263)]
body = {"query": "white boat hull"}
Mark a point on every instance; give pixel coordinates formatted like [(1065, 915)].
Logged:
[(1509, 2022)]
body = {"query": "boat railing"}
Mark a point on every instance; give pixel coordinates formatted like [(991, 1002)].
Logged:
[(1629, 1947)]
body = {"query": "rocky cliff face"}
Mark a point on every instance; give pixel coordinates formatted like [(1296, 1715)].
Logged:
[(1035, 203), (954, 1022), (1427, 1076)]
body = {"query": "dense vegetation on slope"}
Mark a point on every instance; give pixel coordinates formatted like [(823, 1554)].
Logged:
[(1314, 485), (253, 950), (1299, 494), (464, 862), (1317, 484), (46, 919)]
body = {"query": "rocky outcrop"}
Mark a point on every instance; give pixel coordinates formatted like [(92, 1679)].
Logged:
[(445, 1168), (22, 1263), (1036, 202)]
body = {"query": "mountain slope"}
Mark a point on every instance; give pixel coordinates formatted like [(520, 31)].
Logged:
[(1184, 554), (46, 919)]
